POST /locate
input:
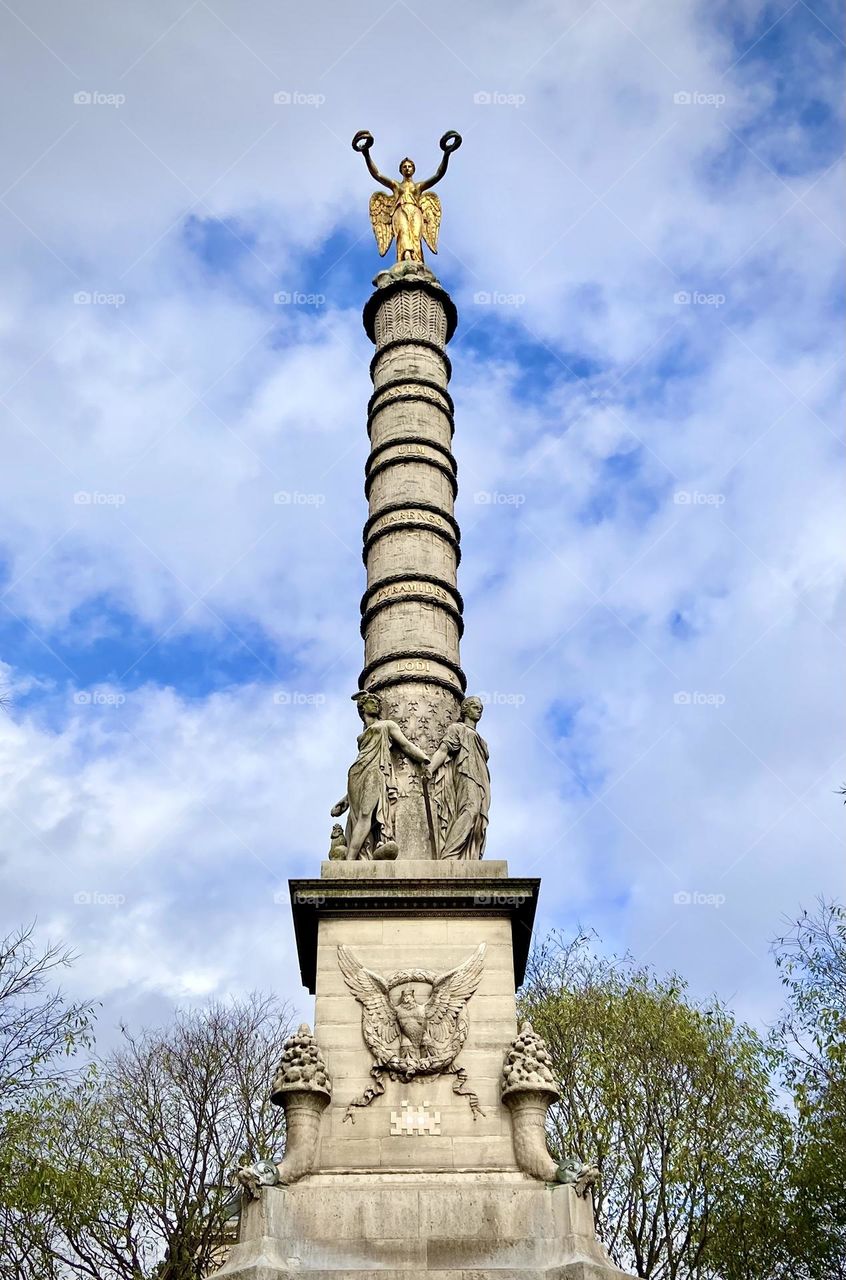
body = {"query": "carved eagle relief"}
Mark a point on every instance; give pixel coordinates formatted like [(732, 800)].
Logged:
[(409, 1037)]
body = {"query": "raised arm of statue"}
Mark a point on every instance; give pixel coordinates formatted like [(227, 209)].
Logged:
[(362, 142), (450, 142), (405, 744)]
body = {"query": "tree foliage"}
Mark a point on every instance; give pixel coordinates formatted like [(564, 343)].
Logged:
[(811, 1035), (673, 1100), (41, 1035), (133, 1165)]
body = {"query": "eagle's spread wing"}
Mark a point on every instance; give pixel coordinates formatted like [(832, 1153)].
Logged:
[(378, 1019), (450, 993), (381, 214), (430, 207)]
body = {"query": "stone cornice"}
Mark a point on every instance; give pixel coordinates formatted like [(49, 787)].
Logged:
[(390, 895)]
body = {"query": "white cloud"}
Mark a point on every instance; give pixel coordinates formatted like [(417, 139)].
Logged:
[(182, 412)]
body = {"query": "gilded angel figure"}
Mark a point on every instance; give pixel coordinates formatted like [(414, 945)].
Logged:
[(411, 213)]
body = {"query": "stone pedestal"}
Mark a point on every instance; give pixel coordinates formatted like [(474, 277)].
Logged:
[(460, 1226), (417, 1181), (407, 916)]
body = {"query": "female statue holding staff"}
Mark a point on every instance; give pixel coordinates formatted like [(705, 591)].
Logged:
[(371, 784), (466, 785)]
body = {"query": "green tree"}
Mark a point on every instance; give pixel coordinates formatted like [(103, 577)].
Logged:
[(811, 1035), (673, 1100), (154, 1141), (42, 1033)]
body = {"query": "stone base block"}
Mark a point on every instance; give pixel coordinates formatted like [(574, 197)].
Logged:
[(390, 1227)]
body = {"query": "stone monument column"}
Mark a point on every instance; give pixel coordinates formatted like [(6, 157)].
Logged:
[(412, 610), (416, 1111)]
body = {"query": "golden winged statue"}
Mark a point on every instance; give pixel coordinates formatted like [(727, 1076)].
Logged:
[(411, 213)]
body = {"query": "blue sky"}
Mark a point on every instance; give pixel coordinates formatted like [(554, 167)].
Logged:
[(642, 235)]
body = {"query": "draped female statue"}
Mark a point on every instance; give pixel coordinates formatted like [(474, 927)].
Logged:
[(371, 784), (463, 790)]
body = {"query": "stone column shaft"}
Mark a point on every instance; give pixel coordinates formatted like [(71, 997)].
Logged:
[(412, 610)]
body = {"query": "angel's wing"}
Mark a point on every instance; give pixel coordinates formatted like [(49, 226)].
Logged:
[(378, 1020), (450, 993), (381, 215), (430, 207)]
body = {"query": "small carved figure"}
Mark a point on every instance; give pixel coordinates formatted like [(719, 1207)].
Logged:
[(463, 790), (371, 784), (580, 1176), (248, 1179), (337, 843), (408, 1037), (411, 214), (252, 1177)]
